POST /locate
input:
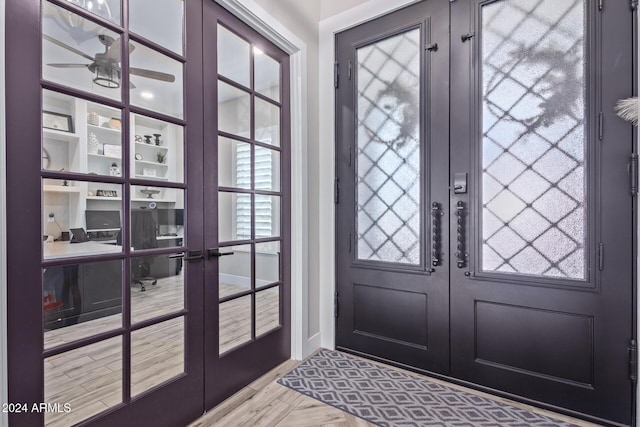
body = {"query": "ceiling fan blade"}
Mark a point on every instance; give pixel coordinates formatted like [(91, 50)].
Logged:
[(157, 75), (66, 46), (115, 50), (69, 65)]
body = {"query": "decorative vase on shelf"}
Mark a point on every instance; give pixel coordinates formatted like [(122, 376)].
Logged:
[(114, 170), (93, 143), (93, 119), (157, 135), (147, 139), (161, 156)]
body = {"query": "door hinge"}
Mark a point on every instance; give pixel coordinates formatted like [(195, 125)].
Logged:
[(350, 238), (600, 5), (633, 361), (633, 171), (601, 256), (600, 126), (433, 47), (349, 69), (634, 4), (336, 75), (336, 191), (336, 305)]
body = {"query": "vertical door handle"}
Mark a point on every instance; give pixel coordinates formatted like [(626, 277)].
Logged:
[(461, 255), (436, 231)]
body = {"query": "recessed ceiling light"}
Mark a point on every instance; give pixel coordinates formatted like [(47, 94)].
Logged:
[(146, 95), (257, 51)]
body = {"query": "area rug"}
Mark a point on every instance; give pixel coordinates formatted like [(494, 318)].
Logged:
[(386, 397)]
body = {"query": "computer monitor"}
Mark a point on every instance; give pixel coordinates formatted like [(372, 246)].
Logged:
[(102, 220), (170, 217)]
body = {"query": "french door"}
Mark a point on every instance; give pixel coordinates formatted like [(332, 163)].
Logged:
[(125, 200), (246, 142), (484, 208)]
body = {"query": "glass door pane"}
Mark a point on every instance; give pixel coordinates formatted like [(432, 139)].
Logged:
[(249, 191), (534, 133), (389, 152)]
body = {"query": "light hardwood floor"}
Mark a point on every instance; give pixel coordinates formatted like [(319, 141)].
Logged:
[(265, 403)]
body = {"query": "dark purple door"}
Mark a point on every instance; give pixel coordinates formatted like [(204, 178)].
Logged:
[(525, 285), (246, 196), (542, 288)]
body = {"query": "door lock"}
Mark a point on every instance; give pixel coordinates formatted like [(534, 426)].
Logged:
[(460, 183)]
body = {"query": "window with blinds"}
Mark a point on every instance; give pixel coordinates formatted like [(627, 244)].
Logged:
[(263, 180)]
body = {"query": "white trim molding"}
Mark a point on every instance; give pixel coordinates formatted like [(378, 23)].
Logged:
[(257, 18), (328, 28)]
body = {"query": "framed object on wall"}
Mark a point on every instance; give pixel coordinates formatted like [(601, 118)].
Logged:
[(57, 121)]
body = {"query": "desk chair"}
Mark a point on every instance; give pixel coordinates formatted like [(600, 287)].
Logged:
[(143, 236)]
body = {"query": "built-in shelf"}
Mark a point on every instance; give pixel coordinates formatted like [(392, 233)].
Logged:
[(103, 129), (103, 198), (102, 156), (145, 162), (60, 135), (157, 147), (146, 199), (60, 189), (157, 178)]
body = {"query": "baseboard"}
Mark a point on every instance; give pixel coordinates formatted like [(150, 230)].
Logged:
[(312, 345)]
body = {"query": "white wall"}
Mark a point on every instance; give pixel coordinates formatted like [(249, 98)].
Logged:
[(329, 8)]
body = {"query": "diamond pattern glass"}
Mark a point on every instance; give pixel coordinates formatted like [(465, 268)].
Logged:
[(533, 145), (388, 163)]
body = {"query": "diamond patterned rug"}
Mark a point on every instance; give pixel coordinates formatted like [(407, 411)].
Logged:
[(389, 398)]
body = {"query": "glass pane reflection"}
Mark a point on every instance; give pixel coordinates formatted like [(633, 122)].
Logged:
[(157, 149), (80, 218), (233, 56), (157, 354), (234, 271), (267, 76), (267, 123), (70, 45), (160, 21), (163, 280), (234, 112), (267, 310), (267, 263), (156, 81), (235, 323), (81, 300), (88, 379)]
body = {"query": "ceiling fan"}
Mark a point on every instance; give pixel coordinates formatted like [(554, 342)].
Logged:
[(106, 65)]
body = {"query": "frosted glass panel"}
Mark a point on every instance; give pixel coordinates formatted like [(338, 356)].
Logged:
[(388, 157), (533, 147)]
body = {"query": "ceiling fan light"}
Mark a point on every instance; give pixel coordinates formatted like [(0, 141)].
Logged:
[(108, 77)]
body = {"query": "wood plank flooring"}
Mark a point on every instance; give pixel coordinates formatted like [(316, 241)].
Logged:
[(265, 403)]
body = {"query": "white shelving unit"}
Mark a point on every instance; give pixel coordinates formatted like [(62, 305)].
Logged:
[(71, 152)]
